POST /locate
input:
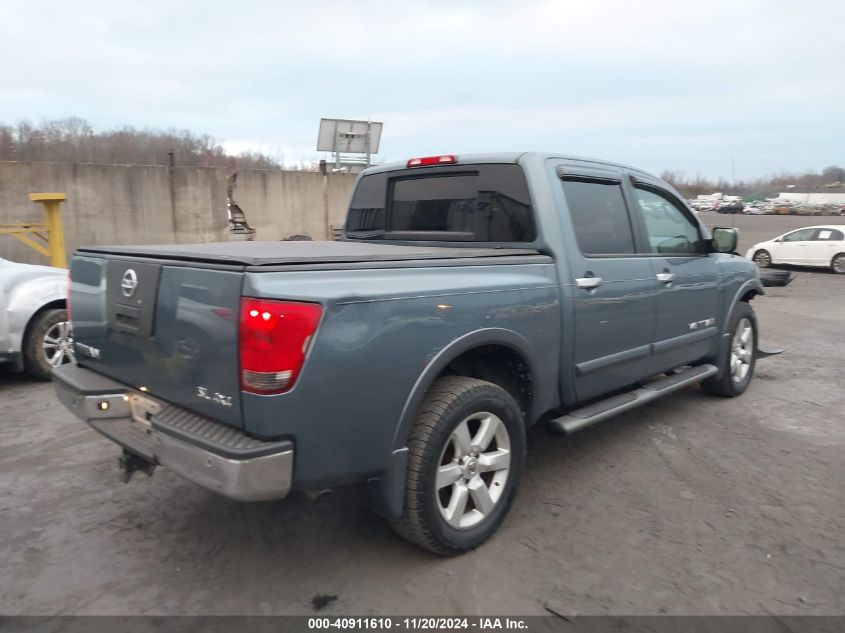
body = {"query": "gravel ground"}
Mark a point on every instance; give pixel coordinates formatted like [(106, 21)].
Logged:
[(690, 505)]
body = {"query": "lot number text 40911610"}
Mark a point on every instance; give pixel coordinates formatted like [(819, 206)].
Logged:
[(418, 623)]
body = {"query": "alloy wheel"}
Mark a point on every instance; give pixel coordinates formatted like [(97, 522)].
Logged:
[(763, 259), (58, 344), (742, 350), (473, 470)]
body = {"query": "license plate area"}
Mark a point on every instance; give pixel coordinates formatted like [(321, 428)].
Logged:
[(143, 409)]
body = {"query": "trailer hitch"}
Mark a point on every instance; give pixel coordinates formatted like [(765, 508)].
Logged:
[(129, 462)]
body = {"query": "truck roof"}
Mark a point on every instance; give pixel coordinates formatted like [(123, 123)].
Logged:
[(509, 157)]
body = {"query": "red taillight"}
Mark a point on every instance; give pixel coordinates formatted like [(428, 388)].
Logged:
[(446, 159), (274, 338)]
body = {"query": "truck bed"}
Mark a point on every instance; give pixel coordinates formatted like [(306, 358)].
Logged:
[(260, 253)]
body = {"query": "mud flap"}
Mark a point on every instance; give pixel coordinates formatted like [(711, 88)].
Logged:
[(386, 494)]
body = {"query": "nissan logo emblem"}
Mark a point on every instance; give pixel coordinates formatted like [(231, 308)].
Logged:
[(128, 283)]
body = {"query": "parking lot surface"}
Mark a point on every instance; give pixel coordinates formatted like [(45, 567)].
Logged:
[(689, 505)]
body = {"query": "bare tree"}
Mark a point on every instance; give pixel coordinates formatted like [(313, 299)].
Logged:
[(74, 140), (833, 174)]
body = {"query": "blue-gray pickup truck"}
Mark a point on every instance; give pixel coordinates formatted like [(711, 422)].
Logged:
[(468, 298)]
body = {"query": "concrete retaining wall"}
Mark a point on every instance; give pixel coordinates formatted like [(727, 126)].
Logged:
[(282, 203), (115, 204), (142, 204)]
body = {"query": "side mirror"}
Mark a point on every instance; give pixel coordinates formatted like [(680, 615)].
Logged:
[(724, 240)]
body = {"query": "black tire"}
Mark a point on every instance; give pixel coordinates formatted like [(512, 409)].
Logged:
[(762, 258), (837, 264), (725, 384), (448, 404), (34, 359)]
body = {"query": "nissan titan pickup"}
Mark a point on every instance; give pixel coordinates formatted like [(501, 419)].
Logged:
[(468, 298)]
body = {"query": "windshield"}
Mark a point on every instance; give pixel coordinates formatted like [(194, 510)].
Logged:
[(474, 203)]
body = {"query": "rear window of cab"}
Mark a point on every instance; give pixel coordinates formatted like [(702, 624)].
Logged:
[(472, 203)]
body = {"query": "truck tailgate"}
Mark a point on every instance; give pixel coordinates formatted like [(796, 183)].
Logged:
[(169, 330)]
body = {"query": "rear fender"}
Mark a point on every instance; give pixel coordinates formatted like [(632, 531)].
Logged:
[(387, 493)]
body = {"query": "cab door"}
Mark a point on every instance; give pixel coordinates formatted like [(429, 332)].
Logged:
[(612, 286), (826, 243), (689, 305), (794, 247)]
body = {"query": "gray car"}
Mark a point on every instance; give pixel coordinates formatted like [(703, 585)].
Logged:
[(35, 332)]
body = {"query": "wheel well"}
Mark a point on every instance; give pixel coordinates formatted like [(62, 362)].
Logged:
[(749, 295), (500, 365), (58, 304)]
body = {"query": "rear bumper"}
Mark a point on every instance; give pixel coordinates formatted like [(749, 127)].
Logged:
[(214, 455)]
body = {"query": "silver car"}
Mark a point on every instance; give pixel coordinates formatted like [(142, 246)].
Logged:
[(35, 333)]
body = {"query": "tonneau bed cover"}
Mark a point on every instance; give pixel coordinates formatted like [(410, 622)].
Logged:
[(265, 253)]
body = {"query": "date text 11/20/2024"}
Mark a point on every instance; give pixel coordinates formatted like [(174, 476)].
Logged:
[(418, 623)]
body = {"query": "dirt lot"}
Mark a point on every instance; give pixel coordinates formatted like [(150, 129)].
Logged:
[(692, 504)]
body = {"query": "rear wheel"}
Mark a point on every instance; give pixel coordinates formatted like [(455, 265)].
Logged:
[(763, 259), (741, 356), (837, 264), (465, 459), (48, 343)]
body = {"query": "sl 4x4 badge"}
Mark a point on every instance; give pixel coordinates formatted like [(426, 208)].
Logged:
[(217, 398), (697, 325)]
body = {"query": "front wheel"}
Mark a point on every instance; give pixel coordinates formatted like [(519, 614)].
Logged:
[(465, 458), (837, 264), (763, 259), (48, 343), (741, 356)]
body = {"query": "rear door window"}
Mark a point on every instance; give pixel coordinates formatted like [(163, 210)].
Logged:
[(599, 216), (476, 203), (829, 235)]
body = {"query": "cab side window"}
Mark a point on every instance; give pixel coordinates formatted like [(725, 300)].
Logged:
[(670, 231), (599, 216)]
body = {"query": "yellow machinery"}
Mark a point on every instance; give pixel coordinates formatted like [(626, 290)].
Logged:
[(46, 237)]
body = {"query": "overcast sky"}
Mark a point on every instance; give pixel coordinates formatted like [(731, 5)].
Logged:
[(678, 85)]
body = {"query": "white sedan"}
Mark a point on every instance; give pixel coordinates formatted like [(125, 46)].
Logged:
[(812, 246)]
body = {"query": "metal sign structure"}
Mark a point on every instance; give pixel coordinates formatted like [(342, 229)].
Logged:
[(351, 141), (45, 237)]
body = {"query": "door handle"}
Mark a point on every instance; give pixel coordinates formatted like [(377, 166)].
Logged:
[(666, 278), (588, 283)]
